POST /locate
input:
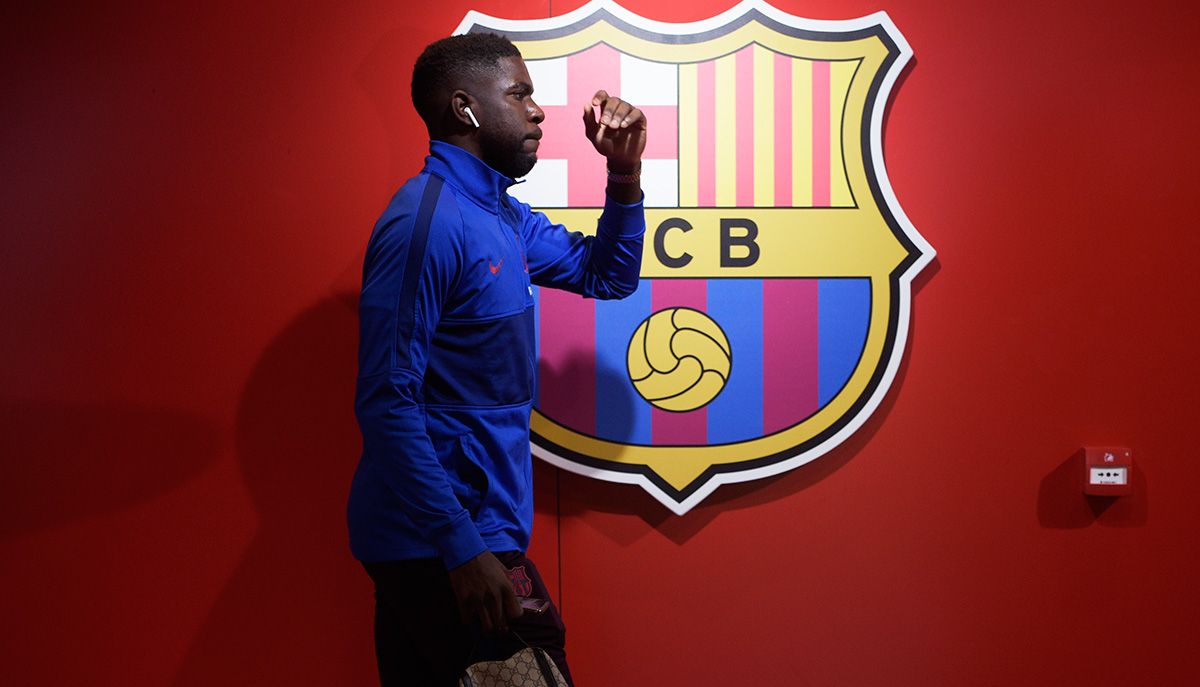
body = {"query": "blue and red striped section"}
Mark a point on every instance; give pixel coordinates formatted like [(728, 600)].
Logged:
[(795, 343)]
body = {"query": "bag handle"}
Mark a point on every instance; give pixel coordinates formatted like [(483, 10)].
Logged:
[(543, 662)]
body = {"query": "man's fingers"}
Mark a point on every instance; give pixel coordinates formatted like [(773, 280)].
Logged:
[(484, 609), (590, 125), (593, 128), (472, 609), (609, 106), (624, 115), (635, 118), (499, 608), (620, 114), (512, 605), (616, 128), (483, 590), (611, 115), (466, 612), (485, 620)]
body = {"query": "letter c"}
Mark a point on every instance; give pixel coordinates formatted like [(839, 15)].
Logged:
[(660, 247)]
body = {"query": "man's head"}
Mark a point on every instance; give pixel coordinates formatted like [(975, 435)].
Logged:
[(461, 80)]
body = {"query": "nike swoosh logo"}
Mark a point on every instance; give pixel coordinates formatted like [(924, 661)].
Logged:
[(495, 268)]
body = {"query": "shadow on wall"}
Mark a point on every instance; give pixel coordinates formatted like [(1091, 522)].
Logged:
[(64, 462), (298, 608), (1062, 504), (898, 87)]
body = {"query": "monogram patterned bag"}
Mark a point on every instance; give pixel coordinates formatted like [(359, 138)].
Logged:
[(526, 668)]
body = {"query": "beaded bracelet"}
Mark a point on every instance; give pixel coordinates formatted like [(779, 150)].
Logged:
[(631, 178)]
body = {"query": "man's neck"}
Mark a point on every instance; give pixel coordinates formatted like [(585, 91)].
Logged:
[(464, 141)]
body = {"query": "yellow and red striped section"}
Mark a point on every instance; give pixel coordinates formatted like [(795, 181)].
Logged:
[(762, 129)]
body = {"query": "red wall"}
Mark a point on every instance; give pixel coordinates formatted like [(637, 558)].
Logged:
[(186, 197)]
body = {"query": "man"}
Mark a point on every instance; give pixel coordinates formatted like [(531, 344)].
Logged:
[(441, 506)]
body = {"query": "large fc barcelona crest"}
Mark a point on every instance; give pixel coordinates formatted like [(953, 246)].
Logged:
[(776, 283)]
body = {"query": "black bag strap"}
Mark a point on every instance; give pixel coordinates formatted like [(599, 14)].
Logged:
[(543, 662)]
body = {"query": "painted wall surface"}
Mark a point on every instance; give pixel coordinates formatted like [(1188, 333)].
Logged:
[(187, 193)]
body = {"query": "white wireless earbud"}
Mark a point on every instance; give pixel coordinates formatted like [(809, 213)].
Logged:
[(470, 114)]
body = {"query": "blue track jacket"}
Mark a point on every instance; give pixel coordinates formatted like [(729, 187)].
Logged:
[(447, 356)]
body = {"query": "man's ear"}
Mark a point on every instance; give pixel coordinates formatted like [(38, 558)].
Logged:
[(461, 105)]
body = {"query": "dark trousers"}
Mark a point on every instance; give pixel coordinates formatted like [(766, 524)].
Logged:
[(420, 639)]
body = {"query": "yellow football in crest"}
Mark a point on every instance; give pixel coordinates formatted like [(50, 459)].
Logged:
[(679, 359)]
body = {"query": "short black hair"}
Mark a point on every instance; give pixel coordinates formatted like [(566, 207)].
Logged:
[(446, 63)]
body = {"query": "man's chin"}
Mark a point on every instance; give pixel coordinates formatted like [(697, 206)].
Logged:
[(524, 165)]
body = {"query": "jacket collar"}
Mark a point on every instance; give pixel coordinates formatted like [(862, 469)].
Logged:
[(470, 175)]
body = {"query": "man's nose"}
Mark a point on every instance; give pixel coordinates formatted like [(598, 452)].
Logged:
[(535, 113)]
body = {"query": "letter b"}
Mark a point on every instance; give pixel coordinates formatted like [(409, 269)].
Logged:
[(728, 241)]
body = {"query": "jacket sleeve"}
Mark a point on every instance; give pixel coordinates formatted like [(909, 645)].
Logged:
[(603, 266), (407, 278)]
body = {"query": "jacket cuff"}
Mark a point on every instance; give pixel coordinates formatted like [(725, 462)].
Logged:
[(459, 541), (621, 220)]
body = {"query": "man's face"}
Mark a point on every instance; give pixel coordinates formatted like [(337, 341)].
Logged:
[(508, 119)]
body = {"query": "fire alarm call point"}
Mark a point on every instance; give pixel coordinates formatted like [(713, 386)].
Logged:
[(1107, 471)]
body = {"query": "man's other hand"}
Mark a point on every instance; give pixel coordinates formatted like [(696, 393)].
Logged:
[(485, 593)]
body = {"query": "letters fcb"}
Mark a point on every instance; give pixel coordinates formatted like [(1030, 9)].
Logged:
[(776, 284)]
